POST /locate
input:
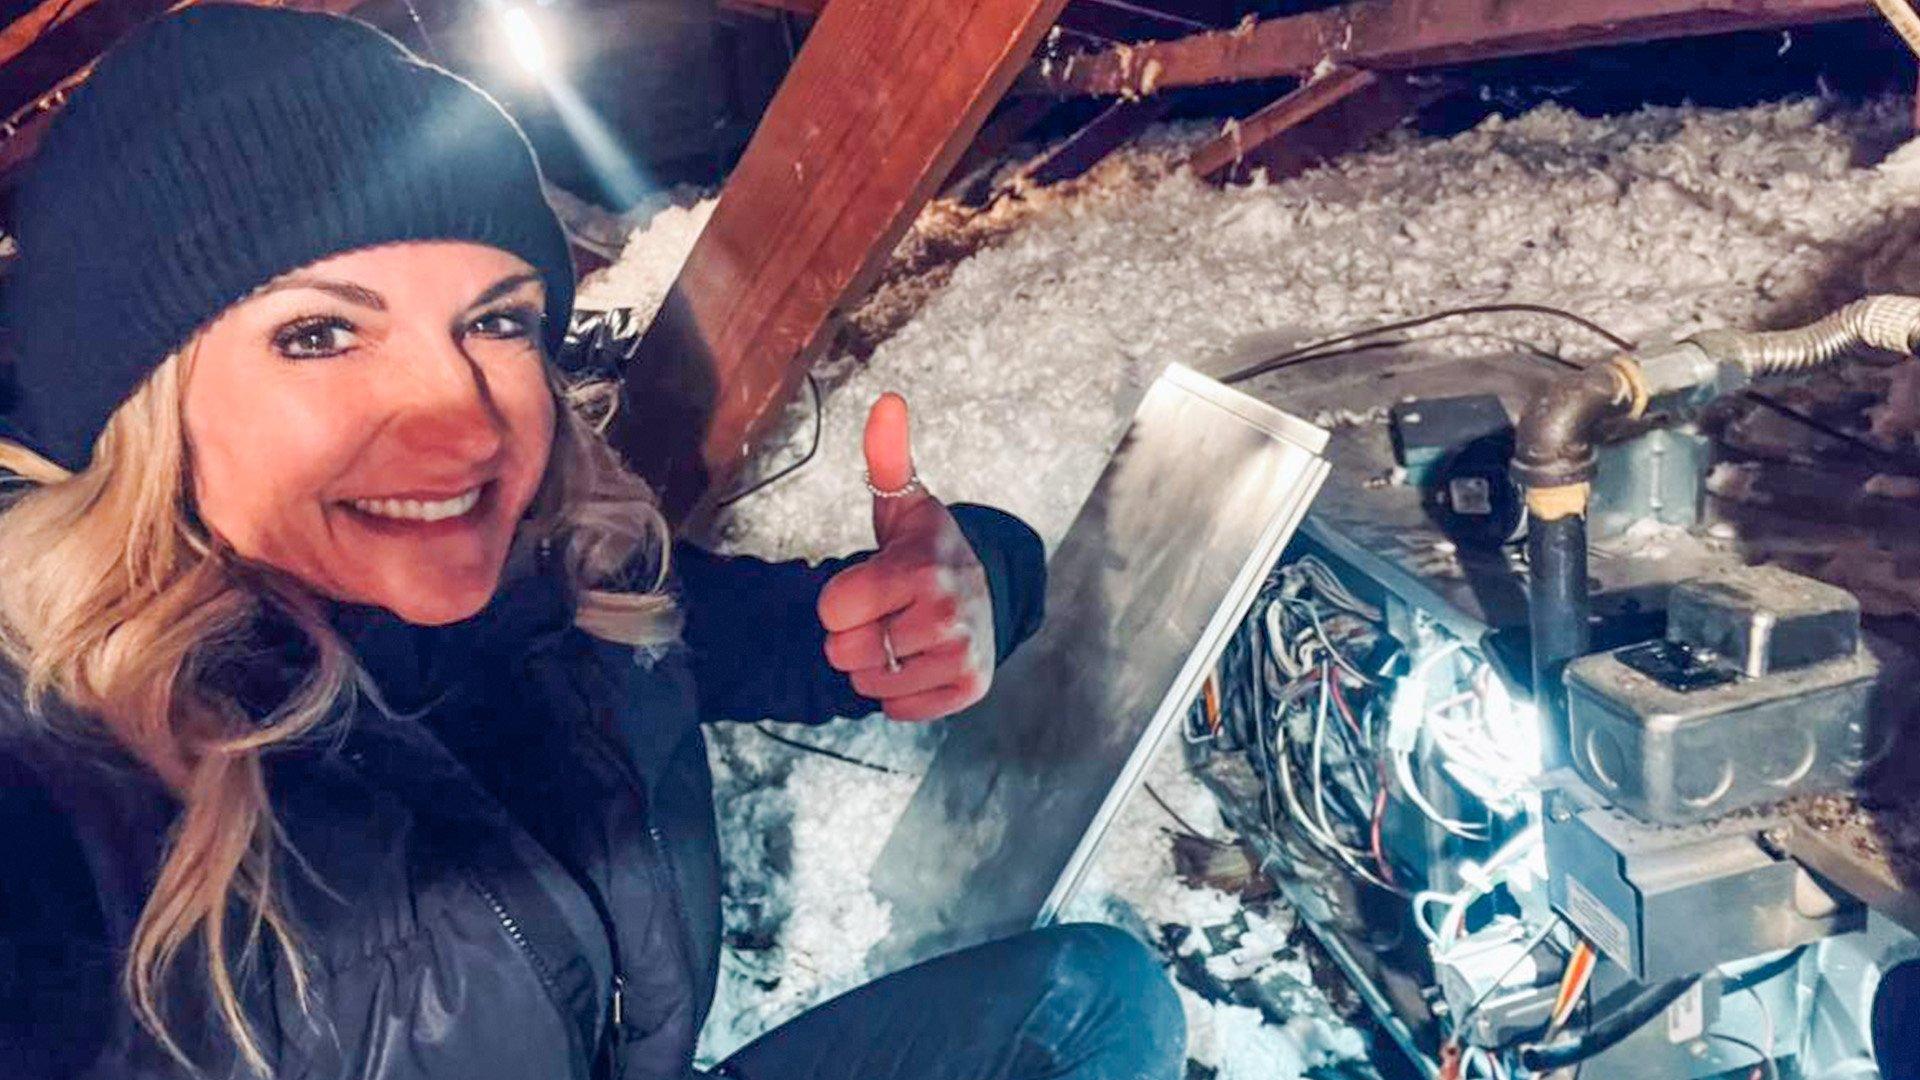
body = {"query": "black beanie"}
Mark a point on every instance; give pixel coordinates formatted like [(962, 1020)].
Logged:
[(219, 147)]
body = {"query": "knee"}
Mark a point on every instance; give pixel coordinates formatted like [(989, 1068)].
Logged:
[(1121, 988)]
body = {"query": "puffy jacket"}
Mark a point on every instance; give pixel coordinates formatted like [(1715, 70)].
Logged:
[(507, 862)]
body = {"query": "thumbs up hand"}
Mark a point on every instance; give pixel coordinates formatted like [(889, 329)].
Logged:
[(913, 625)]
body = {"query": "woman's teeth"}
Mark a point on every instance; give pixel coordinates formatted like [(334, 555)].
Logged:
[(416, 510)]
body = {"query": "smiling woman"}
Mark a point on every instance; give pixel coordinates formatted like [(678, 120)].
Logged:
[(350, 704), (377, 424)]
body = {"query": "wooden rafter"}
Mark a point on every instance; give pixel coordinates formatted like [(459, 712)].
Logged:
[(30, 27), (1084, 149), (1407, 34), (1006, 128), (49, 57), (51, 49), (1338, 112), (880, 104)]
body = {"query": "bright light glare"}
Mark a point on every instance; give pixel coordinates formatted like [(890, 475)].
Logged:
[(523, 39)]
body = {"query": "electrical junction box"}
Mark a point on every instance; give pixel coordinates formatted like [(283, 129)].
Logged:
[(1668, 902), (1427, 431), (1758, 693)]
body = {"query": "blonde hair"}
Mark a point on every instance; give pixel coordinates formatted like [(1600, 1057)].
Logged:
[(115, 600)]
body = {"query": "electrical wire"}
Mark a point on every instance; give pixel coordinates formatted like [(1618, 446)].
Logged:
[(1180, 821), (1319, 350), (1610, 1030), (1762, 973), (1767, 1033), (1764, 1066), (819, 423), (836, 755), (1587, 1014), (1573, 984)]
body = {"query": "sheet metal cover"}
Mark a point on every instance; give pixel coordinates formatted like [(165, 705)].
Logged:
[(1161, 564)]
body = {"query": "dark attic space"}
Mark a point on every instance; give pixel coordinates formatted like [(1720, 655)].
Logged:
[(1396, 559)]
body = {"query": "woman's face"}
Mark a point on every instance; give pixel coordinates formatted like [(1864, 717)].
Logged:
[(376, 424)]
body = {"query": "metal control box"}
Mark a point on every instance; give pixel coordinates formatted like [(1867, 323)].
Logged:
[(1759, 692), (1670, 902)]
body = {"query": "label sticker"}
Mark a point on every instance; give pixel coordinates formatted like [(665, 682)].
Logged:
[(1600, 925)]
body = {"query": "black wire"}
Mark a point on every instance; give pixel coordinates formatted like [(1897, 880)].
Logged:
[(1610, 1030), (1765, 1064), (1178, 820), (1586, 1018), (819, 421), (1764, 973), (824, 752), (1307, 353)]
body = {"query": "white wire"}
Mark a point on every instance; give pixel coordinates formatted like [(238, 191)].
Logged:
[(1319, 747), (1465, 830), (1420, 901), (1329, 842)]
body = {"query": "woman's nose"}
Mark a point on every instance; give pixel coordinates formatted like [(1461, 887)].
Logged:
[(447, 408)]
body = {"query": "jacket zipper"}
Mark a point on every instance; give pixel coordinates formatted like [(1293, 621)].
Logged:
[(601, 740), (519, 938), (659, 870)]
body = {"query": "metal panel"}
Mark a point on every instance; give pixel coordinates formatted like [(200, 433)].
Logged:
[(1163, 561)]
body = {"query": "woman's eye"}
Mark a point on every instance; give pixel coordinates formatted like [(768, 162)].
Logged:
[(507, 323), (311, 338)]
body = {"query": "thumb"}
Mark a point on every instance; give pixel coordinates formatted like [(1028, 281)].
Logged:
[(889, 461)]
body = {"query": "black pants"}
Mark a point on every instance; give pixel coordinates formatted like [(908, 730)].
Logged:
[(1079, 1002)]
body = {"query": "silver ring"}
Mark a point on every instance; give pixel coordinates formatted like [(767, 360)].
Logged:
[(886, 646), (912, 485)]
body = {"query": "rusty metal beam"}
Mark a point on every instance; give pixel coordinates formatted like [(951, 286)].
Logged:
[(1404, 34)]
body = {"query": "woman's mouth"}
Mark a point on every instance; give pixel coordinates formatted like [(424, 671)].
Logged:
[(425, 510)]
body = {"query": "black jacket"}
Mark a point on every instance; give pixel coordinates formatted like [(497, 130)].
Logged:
[(512, 822)]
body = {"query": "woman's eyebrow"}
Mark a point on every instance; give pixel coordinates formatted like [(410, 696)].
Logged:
[(501, 288), (344, 290)]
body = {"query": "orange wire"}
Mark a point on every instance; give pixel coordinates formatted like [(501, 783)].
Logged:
[(1573, 983)]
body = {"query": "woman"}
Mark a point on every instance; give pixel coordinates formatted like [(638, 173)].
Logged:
[(351, 715)]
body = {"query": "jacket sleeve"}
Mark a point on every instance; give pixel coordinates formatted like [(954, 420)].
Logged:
[(754, 634)]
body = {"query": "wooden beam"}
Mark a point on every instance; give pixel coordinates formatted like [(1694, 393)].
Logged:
[(999, 135), (47, 59), (882, 100), (31, 92), (1406, 34), (1332, 115), (29, 27), (1085, 148)]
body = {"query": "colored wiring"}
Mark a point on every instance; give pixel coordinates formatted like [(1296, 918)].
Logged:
[(1573, 983)]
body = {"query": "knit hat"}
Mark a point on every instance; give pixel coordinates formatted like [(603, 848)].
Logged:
[(219, 147)]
